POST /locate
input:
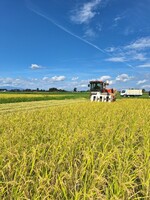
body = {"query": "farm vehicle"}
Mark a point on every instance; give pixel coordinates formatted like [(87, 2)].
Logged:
[(99, 92)]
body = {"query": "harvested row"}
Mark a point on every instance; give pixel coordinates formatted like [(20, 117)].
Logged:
[(25, 106), (77, 151)]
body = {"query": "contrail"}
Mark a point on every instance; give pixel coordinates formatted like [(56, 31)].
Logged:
[(66, 30), (72, 34)]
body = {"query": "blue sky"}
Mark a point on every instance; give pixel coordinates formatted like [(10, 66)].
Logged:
[(67, 43)]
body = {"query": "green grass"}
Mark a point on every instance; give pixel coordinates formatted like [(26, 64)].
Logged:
[(42, 96)]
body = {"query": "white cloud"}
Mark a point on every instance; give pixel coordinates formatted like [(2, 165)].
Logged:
[(138, 56), (135, 51), (6, 81), (124, 78), (53, 79), (141, 82), (128, 31), (144, 65), (111, 49), (111, 82), (33, 83), (45, 78), (17, 82), (74, 78), (131, 55), (58, 78), (146, 86), (57, 81), (117, 18), (99, 27), (35, 66), (90, 33), (83, 86), (104, 78), (10, 81), (121, 54), (116, 59), (139, 44), (34, 79), (108, 79), (85, 13)]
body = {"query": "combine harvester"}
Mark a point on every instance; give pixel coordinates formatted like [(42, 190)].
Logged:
[(100, 93)]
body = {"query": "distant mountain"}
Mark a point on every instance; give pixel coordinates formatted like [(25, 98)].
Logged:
[(10, 88)]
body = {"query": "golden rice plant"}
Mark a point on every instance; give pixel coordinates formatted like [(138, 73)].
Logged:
[(77, 151)]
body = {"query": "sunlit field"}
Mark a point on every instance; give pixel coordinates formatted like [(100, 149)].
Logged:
[(81, 150)]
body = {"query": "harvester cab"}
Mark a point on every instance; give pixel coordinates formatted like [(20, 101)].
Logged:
[(99, 92)]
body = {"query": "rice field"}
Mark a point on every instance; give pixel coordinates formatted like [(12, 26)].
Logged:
[(9, 97), (75, 151)]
